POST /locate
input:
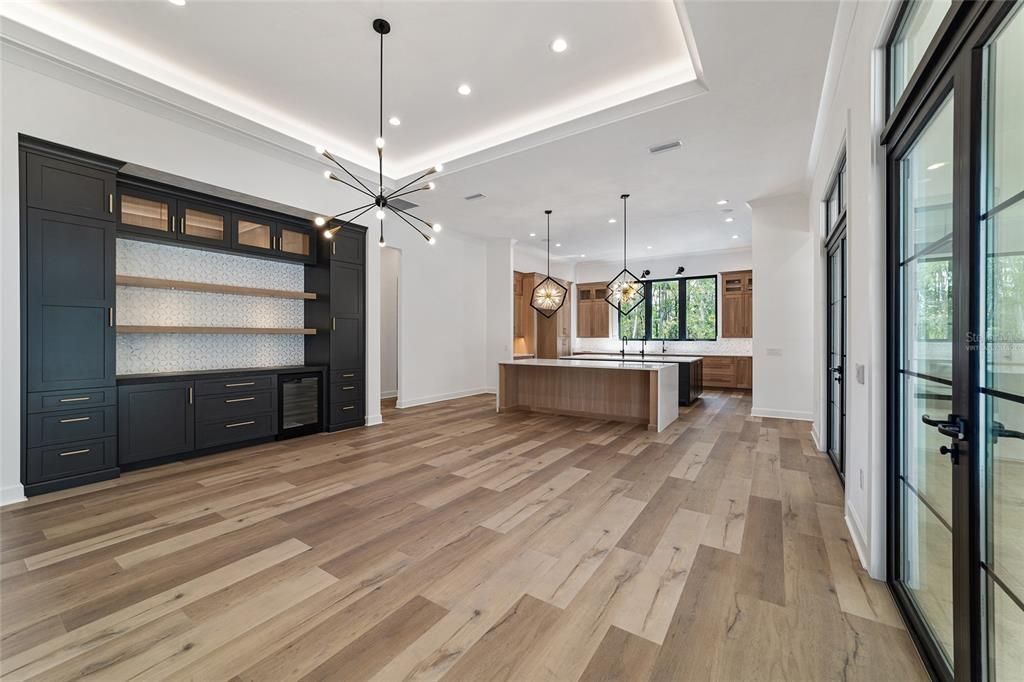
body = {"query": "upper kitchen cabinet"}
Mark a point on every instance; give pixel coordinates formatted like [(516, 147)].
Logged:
[(592, 311), (257, 234), (65, 186), (294, 241), (737, 304), (349, 246), (202, 223), (145, 212)]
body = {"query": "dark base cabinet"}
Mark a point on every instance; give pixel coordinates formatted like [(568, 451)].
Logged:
[(155, 421)]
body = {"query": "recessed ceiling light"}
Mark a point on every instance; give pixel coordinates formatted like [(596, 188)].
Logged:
[(464, 89), (611, 220), (533, 234), (735, 236), (559, 45), (722, 202), (178, 3), (395, 121), (583, 255), (729, 220), (557, 244), (650, 247), (936, 166)]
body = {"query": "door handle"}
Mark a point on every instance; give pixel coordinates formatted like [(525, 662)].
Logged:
[(954, 426), (999, 431)]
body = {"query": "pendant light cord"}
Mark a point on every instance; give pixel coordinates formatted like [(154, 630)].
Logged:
[(549, 244), (380, 150), (624, 197)]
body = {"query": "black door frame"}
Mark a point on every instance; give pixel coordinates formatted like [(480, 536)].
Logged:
[(952, 63), (836, 240)]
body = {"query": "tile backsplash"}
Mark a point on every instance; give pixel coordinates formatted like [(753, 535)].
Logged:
[(719, 347), (144, 353)]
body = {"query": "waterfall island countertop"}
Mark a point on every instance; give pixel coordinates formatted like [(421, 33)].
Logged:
[(630, 391)]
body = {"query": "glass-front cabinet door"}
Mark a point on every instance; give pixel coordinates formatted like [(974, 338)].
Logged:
[(250, 233), (146, 213), (1000, 396), (202, 223), (295, 241)]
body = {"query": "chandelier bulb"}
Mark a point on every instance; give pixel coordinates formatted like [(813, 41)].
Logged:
[(431, 241), (380, 215), (431, 185), (319, 221), (327, 175), (381, 242), (380, 143), (320, 149), (436, 227), (328, 234), (438, 168)]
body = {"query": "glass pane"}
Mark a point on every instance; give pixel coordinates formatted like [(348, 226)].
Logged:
[(701, 309), (833, 206), (842, 187), (1005, 473), (911, 41), (928, 311), (928, 567), (665, 310), (927, 192), (295, 242), (1004, 302), (254, 234), (927, 471), (153, 215), (1007, 635), (203, 224), (1005, 111), (632, 326)]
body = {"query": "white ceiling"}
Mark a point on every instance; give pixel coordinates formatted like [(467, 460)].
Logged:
[(541, 130)]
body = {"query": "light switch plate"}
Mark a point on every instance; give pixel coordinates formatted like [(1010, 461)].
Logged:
[(860, 373), (774, 351)]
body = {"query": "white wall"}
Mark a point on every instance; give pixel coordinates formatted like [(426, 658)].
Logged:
[(500, 305), (851, 115), (443, 335), (696, 265), (528, 259), (390, 264), (784, 315)]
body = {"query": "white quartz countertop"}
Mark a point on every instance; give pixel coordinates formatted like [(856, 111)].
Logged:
[(591, 364), (657, 354), (602, 357)]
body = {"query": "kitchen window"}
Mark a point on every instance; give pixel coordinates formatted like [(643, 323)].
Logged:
[(678, 309)]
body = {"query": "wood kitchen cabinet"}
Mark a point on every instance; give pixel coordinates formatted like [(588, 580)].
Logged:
[(592, 311), (737, 304), (554, 334), (728, 371)]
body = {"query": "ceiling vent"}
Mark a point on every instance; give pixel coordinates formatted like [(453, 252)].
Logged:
[(474, 197), (667, 147), (402, 204)]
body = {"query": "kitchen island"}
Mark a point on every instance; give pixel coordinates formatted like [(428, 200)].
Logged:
[(691, 370), (640, 392)]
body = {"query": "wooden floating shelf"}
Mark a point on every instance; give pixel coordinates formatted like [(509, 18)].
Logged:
[(148, 329), (155, 283)]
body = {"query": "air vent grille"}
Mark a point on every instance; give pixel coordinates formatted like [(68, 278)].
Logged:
[(402, 204), (666, 147), (474, 197)]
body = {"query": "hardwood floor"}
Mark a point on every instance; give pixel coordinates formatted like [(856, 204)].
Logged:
[(455, 543)]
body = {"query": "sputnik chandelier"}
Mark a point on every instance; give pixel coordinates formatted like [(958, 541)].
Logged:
[(625, 291), (379, 200), (549, 295)]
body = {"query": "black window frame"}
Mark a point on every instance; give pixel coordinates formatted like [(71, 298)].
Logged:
[(681, 294)]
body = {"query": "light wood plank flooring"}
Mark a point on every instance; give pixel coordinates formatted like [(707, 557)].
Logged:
[(455, 543)]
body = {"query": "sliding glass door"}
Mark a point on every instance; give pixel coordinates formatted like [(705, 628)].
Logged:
[(955, 203)]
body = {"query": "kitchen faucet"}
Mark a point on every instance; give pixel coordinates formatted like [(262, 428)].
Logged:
[(623, 351), (643, 348), (662, 346)]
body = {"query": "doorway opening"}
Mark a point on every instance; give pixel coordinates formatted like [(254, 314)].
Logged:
[(390, 273)]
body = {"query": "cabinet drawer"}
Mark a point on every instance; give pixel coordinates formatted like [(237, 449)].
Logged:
[(349, 411), (220, 407), (234, 430), (70, 400), (72, 425), (69, 459), (719, 372), (347, 375), (245, 385), (346, 391)]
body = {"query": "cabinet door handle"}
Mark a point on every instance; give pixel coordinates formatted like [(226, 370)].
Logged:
[(189, 395), (75, 400), (231, 426), (74, 452), (347, 376), (181, 224), (110, 317), (70, 420), (333, 251), (110, 203), (347, 388), (332, 323), (240, 400), (350, 407), (243, 383)]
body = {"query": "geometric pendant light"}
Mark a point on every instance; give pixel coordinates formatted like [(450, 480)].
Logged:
[(625, 291), (549, 295)]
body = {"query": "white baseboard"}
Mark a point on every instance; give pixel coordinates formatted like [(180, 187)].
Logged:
[(374, 419), (782, 414), (12, 494), (818, 442), (389, 394), (440, 397), (857, 533)]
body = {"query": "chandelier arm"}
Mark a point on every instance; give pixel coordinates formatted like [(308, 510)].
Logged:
[(399, 210), (365, 211), (352, 210), (410, 224), (349, 173), (411, 182), (349, 184), (411, 191)]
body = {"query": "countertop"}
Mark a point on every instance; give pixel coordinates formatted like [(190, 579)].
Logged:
[(705, 354), (166, 376), (602, 357), (591, 364)]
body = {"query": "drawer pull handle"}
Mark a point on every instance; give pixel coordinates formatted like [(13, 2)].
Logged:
[(69, 420), (350, 407), (231, 426), (74, 452), (243, 383), (240, 400), (75, 400), (347, 388), (347, 376)]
